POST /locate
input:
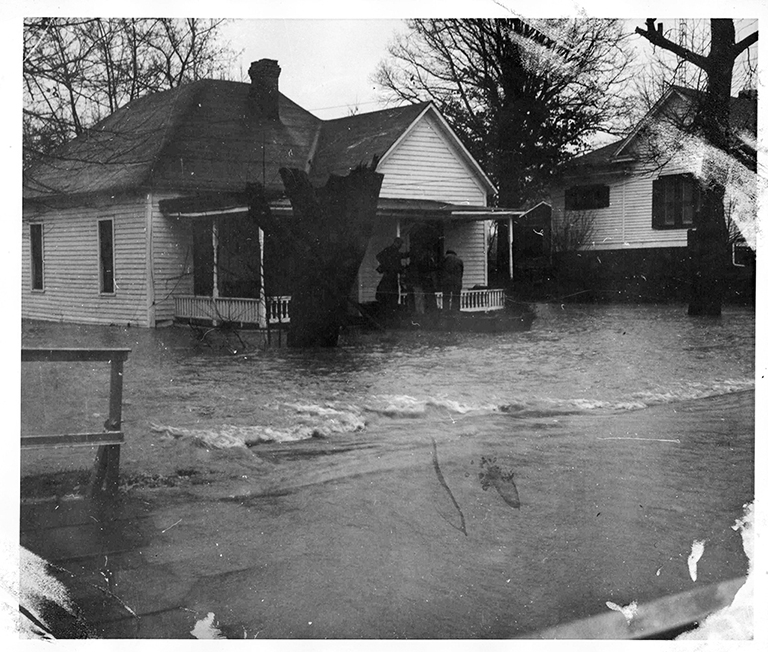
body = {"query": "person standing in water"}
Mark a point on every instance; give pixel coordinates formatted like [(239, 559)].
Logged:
[(390, 265), (453, 273)]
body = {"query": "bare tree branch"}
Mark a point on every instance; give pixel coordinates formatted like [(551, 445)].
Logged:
[(655, 36)]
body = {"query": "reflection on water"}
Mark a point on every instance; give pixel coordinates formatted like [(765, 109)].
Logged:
[(430, 485)]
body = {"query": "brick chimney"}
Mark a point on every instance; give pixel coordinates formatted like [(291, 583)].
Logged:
[(264, 75)]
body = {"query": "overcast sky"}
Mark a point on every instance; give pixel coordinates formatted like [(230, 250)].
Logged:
[(328, 50), (327, 63)]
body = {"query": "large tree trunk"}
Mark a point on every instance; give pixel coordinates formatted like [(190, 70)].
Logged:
[(331, 227), (709, 241), (708, 252), (709, 255)]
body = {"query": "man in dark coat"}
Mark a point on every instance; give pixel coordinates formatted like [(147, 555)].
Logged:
[(453, 273), (390, 265)]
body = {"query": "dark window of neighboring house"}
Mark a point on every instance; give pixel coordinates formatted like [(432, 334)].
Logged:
[(580, 198), (106, 257), (742, 254), (36, 245), (675, 201)]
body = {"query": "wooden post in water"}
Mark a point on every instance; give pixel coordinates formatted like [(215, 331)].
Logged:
[(107, 464)]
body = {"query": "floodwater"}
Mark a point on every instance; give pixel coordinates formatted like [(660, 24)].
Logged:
[(415, 485)]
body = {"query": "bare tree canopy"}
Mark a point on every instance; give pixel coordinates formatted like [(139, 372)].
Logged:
[(524, 96), (79, 70)]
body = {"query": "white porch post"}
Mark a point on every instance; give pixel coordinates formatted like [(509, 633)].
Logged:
[(150, 262), (215, 242), (262, 295), (511, 238), (215, 289)]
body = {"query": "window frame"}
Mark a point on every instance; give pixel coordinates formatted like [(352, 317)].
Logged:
[(677, 202), (102, 269), (33, 266), (740, 250), (587, 197)]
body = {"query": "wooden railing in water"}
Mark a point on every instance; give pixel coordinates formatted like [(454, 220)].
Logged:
[(220, 309), (477, 300), (277, 310), (251, 311), (232, 309), (107, 463)]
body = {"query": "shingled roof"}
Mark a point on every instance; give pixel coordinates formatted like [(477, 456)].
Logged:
[(743, 119), (346, 142), (210, 136)]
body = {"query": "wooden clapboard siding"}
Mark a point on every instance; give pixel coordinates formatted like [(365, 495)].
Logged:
[(172, 260), (71, 264), (468, 241), (368, 278), (627, 222), (426, 165)]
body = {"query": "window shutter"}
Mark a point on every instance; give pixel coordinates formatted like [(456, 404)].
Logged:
[(657, 209)]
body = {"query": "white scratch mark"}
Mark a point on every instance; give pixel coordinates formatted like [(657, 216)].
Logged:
[(175, 524), (672, 441), (206, 628), (697, 550), (628, 611)]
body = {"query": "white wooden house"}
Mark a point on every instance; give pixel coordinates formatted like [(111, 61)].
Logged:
[(142, 220), (640, 201)]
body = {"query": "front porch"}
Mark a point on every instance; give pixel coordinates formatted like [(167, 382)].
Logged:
[(241, 312), (252, 313)]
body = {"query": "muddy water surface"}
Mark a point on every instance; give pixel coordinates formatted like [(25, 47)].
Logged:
[(412, 484)]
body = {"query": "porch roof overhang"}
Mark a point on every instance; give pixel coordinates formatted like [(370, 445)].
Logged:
[(430, 209), (221, 204), (205, 205)]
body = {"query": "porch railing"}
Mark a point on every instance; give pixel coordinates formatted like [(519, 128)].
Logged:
[(477, 300), (277, 310), (251, 311), (232, 309)]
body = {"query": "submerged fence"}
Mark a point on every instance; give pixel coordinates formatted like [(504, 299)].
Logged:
[(109, 440)]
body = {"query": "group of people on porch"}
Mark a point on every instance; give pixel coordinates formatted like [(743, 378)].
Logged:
[(419, 280)]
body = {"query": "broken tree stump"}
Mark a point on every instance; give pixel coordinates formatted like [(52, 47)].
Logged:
[(328, 236)]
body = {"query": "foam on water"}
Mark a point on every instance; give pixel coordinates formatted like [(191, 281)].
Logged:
[(308, 421), (409, 407)]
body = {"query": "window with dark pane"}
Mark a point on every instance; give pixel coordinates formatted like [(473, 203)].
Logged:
[(580, 198), (676, 200), (106, 257), (36, 245)]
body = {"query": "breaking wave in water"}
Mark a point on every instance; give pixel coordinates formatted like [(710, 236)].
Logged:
[(314, 421), (409, 407), (308, 421)]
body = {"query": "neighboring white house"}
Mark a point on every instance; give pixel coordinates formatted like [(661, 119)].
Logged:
[(142, 219), (641, 202)]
